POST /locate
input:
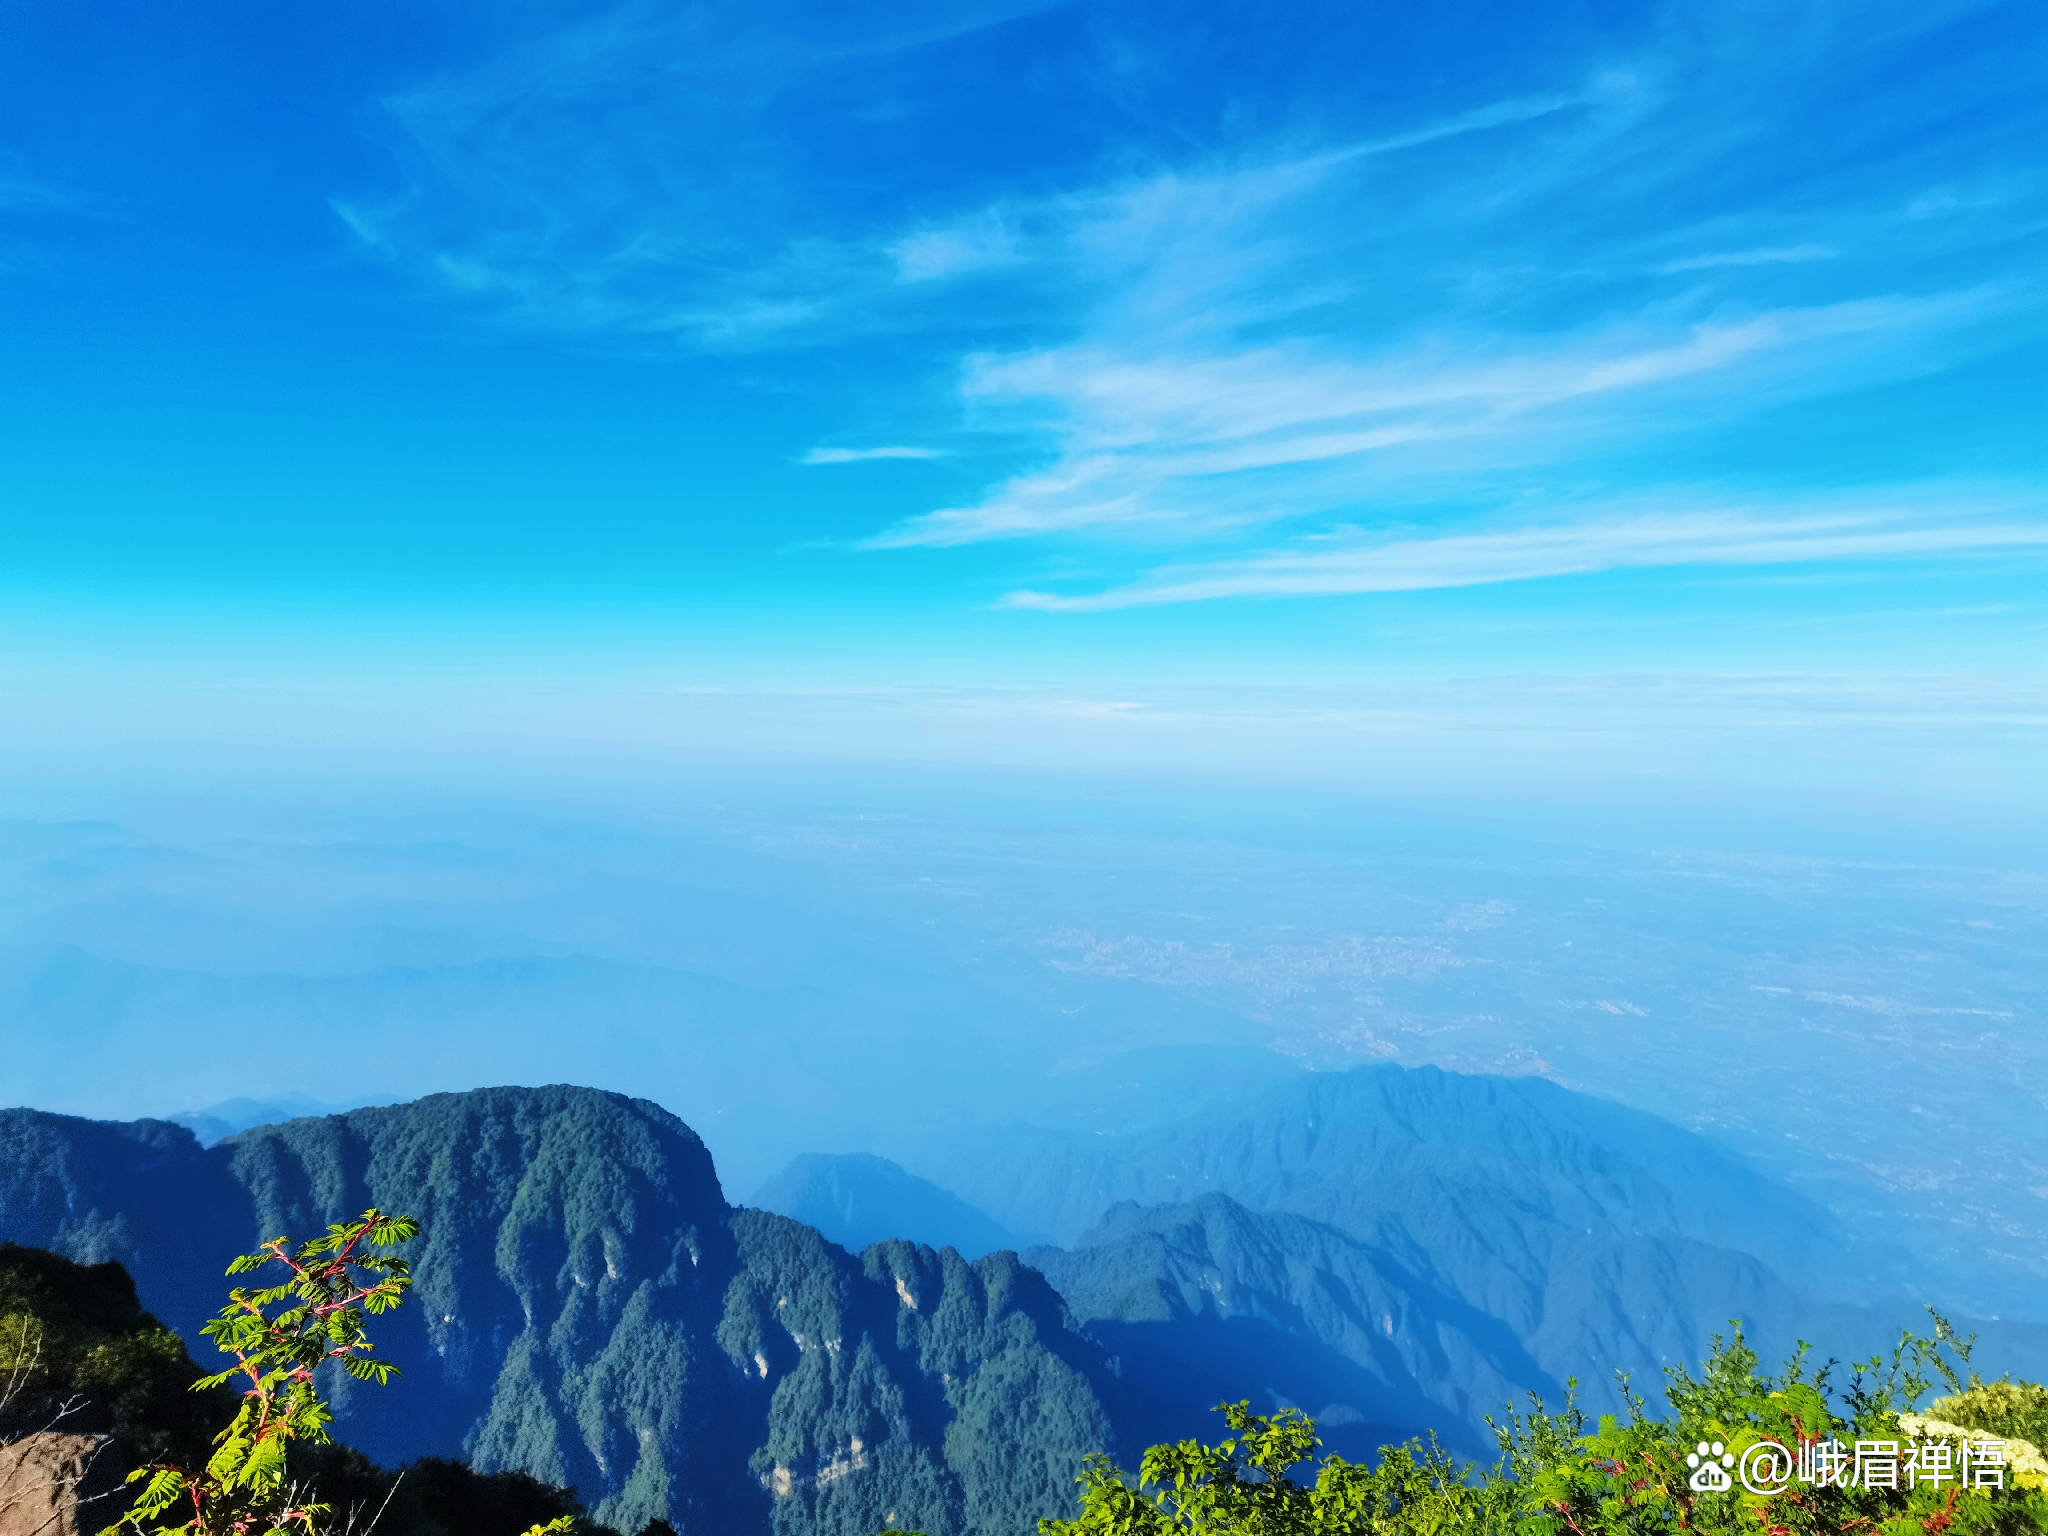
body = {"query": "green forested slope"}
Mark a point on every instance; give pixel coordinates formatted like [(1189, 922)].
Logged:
[(951, 1388), (1209, 1301), (588, 1309)]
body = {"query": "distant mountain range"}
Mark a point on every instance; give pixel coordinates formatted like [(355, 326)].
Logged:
[(1395, 1247), (1409, 1156), (858, 1199), (1392, 1249), (217, 1122)]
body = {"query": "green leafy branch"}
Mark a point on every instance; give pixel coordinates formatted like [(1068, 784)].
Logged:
[(279, 1336)]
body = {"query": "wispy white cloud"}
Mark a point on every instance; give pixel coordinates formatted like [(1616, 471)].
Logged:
[(1302, 337), (975, 245), (1737, 535), (1195, 439), (19, 192), (1480, 308), (23, 188), (507, 200), (1958, 199), (1130, 221), (864, 455), (1757, 256)]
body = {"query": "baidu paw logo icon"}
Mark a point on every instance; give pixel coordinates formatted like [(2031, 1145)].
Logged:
[(1710, 1464)]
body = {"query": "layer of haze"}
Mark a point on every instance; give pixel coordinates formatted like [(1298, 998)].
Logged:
[(864, 962), (849, 575)]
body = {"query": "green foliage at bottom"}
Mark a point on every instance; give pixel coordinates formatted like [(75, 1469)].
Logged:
[(2017, 1410), (1560, 1475), (73, 1337)]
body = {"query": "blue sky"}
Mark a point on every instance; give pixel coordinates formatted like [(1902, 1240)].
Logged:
[(1160, 382)]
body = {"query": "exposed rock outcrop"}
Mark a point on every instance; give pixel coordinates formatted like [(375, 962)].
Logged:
[(50, 1483)]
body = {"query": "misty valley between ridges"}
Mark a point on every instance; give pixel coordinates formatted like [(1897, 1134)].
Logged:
[(1397, 1252)]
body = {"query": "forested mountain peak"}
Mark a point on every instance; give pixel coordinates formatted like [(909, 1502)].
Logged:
[(588, 1309)]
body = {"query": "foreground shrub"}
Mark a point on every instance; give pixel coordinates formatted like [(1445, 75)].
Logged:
[(279, 1337), (1855, 1461)]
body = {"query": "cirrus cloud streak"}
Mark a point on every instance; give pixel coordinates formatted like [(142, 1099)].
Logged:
[(1733, 536)]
